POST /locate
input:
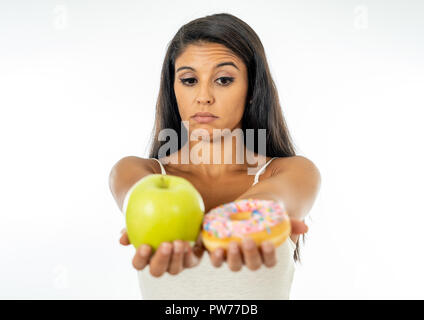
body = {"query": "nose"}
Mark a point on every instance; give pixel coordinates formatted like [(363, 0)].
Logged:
[(204, 96), (204, 100)]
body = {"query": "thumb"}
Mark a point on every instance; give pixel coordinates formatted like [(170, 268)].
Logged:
[(298, 226), (198, 247), (124, 240)]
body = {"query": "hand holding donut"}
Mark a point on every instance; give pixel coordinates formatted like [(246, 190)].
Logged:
[(247, 232), (170, 257)]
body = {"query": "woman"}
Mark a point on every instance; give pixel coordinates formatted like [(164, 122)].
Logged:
[(215, 76)]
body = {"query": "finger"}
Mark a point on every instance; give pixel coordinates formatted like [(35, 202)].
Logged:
[(268, 254), (251, 255), (234, 259), (176, 264), (124, 240), (190, 259), (217, 257), (198, 248), (298, 226), (142, 256), (160, 260)]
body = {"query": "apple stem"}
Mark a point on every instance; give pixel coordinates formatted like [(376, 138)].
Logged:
[(163, 183)]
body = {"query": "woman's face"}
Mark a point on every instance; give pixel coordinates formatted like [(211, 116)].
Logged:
[(201, 86)]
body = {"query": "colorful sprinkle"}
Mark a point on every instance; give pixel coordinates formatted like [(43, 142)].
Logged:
[(264, 215)]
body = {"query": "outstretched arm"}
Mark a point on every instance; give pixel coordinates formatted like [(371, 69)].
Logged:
[(172, 257), (296, 183)]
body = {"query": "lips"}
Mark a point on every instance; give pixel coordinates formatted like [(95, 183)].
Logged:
[(207, 119), (204, 117), (204, 114)]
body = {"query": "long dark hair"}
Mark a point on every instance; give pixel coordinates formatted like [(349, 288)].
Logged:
[(264, 111)]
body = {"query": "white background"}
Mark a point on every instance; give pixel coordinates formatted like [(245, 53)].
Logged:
[(78, 86)]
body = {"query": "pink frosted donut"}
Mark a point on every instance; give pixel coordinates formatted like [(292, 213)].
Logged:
[(259, 219)]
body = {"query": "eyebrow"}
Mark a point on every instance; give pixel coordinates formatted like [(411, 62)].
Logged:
[(228, 63)]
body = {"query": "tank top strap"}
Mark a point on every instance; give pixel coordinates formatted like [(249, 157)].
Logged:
[(261, 170), (161, 166)]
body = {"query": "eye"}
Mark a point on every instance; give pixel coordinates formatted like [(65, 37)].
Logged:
[(189, 81), (228, 80)]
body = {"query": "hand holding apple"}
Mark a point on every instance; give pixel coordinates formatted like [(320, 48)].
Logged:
[(172, 261), (163, 208)]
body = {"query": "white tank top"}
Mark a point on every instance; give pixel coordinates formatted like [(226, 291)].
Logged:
[(206, 282)]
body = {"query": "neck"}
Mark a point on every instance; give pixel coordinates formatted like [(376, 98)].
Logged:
[(215, 157)]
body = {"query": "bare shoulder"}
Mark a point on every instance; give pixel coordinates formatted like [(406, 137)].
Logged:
[(126, 172), (147, 165), (296, 164), (135, 164)]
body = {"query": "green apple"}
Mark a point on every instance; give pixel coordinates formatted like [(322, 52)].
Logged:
[(162, 208)]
